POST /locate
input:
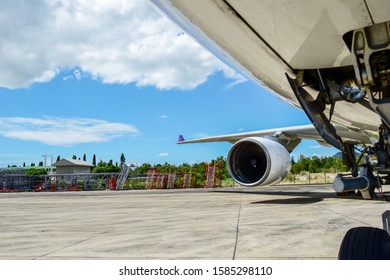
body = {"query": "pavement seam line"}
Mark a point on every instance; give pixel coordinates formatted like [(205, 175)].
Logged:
[(78, 242), (237, 228), (342, 215)]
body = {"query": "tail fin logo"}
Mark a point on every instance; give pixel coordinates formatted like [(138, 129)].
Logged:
[(180, 139)]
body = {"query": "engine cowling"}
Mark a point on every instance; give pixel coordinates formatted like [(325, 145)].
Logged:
[(258, 161)]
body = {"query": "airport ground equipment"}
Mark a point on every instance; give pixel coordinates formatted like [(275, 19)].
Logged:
[(112, 183), (160, 181), (187, 179), (213, 175), (124, 173), (155, 180), (150, 178), (171, 180)]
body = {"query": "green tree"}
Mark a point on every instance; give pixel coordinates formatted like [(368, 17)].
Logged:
[(74, 157), (317, 164), (84, 157), (143, 169), (94, 160), (35, 171), (123, 159), (103, 167), (221, 163), (199, 173)]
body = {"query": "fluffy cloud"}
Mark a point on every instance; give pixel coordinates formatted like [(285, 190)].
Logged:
[(64, 131), (116, 41)]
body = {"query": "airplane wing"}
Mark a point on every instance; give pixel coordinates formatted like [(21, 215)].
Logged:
[(262, 157), (287, 133)]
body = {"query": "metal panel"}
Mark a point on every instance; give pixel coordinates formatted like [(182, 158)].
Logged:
[(300, 29), (379, 10)]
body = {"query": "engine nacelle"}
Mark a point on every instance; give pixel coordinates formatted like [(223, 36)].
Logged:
[(257, 161)]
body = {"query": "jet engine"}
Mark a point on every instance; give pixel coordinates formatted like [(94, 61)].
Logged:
[(257, 161)]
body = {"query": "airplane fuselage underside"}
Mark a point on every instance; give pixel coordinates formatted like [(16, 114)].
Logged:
[(267, 39)]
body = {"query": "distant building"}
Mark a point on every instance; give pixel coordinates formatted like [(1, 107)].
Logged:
[(72, 166)]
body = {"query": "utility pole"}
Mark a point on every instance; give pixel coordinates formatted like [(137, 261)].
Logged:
[(45, 158)]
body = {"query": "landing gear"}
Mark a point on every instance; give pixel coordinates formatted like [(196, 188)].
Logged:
[(363, 85), (367, 243), (365, 183), (376, 159)]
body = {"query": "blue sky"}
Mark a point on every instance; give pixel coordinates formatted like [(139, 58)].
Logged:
[(109, 78)]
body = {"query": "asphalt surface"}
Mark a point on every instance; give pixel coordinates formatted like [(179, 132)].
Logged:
[(278, 222)]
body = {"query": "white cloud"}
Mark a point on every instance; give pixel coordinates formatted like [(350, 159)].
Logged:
[(116, 41), (163, 155), (236, 79), (61, 131), (163, 117), (316, 147)]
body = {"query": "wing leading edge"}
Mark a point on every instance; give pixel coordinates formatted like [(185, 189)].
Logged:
[(286, 133)]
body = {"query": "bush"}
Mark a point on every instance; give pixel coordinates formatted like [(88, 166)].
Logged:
[(36, 172)]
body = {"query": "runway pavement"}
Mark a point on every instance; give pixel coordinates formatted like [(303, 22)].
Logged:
[(278, 222)]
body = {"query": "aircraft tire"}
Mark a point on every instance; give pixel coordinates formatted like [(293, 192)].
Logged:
[(365, 243)]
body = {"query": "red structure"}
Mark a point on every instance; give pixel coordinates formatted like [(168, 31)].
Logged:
[(150, 178), (171, 180), (112, 183), (214, 175), (187, 180)]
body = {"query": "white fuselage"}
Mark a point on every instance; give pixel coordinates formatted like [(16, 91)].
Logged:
[(265, 39)]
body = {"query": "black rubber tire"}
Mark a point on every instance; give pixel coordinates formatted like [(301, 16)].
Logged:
[(365, 243)]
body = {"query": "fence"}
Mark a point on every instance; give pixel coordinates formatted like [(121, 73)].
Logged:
[(309, 178), (78, 182), (72, 182)]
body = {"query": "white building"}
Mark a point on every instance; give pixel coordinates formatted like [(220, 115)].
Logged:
[(72, 166)]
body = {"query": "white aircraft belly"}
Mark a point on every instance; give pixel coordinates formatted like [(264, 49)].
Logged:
[(306, 33), (268, 39)]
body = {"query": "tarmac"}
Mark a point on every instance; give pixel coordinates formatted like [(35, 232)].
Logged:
[(276, 222)]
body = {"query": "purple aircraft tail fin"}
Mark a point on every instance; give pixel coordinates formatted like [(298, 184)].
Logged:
[(181, 139)]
